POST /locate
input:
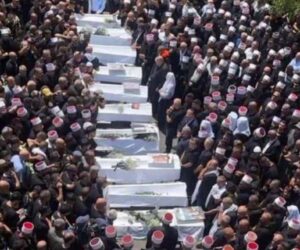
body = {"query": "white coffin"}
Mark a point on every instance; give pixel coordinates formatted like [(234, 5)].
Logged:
[(132, 74), (96, 20), (129, 141), (113, 92), (127, 222), (116, 68), (131, 88), (140, 170), (114, 54), (123, 40), (126, 113), (146, 195)]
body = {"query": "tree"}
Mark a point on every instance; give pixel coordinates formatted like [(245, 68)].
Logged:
[(290, 8)]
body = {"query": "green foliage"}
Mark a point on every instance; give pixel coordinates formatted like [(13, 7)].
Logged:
[(291, 8)]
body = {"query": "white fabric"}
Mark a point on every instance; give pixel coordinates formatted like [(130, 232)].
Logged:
[(293, 213), (159, 195), (113, 54), (242, 127), (114, 92), (266, 147), (125, 112), (168, 89), (206, 130), (215, 192), (111, 40), (196, 75), (131, 74), (126, 223), (144, 171), (233, 117), (124, 141), (198, 185), (96, 21), (195, 193)]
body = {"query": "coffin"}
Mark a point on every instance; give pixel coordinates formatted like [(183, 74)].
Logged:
[(132, 74), (118, 93), (126, 112), (146, 195), (114, 54), (96, 20), (139, 169), (139, 140)]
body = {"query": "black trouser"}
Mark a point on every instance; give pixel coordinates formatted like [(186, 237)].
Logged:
[(162, 107), (170, 135)]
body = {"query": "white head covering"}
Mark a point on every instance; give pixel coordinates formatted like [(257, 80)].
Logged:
[(168, 89), (293, 212), (242, 127), (205, 130), (233, 117)]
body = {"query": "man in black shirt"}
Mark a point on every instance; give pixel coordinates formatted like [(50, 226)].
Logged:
[(170, 233), (174, 115)]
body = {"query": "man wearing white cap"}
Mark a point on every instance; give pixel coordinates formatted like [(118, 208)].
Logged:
[(157, 239), (170, 233), (110, 238), (23, 238)]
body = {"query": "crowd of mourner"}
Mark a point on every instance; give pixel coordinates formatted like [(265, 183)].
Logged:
[(223, 79)]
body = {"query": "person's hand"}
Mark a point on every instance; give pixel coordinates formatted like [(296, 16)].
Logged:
[(239, 173), (142, 56), (39, 157), (134, 46), (70, 186), (59, 185), (12, 109), (297, 164)]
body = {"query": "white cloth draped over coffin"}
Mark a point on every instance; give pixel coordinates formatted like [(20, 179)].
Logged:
[(146, 195), (130, 74), (191, 223), (126, 112), (139, 140), (117, 93), (149, 168), (96, 21), (121, 40), (114, 54)]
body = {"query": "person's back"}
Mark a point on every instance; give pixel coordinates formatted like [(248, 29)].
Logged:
[(171, 238)]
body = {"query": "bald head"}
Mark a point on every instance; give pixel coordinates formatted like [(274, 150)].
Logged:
[(242, 211), (4, 187), (243, 226), (159, 60), (41, 245), (212, 164), (208, 143), (265, 218), (228, 233), (227, 202), (177, 102), (225, 220), (101, 205)]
